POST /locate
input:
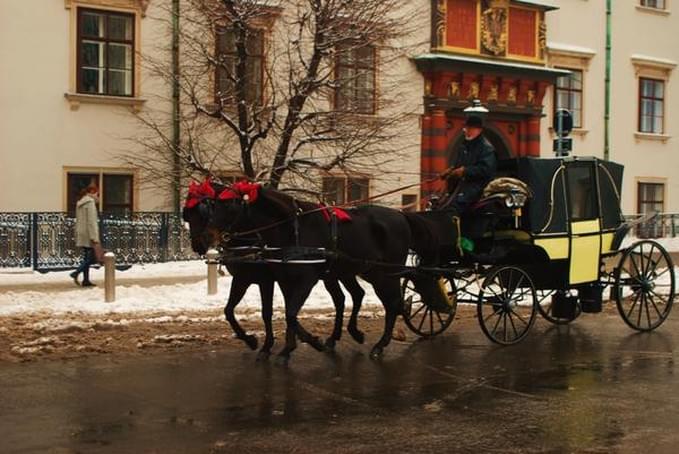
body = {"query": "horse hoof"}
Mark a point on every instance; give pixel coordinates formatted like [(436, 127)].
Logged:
[(263, 356), (282, 359), (316, 344), (358, 336), (376, 353), (330, 344), (251, 341)]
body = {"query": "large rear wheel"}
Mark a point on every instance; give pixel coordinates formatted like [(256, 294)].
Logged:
[(644, 285), (507, 305)]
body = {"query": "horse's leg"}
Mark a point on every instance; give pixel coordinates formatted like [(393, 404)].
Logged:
[(333, 288), (238, 288), (357, 294), (295, 293), (266, 292), (389, 292)]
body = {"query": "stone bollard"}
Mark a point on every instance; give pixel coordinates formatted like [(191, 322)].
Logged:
[(212, 262), (109, 277)]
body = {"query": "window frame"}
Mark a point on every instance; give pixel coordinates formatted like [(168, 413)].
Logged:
[(571, 90), (99, 174), (262, 62), (80, 11), (356, 67), (655, 230), (645, 4), (347, 182), (641, 98)]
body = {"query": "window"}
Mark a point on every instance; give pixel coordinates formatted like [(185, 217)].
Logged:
[(355, 73), (409, 202), (568, 95), (658, 4), (115, 191), (651, 105), (226, 74), (341, 190), (582, 196), (105, 53), (650, 199)]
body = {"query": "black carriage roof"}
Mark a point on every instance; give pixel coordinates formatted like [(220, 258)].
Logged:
[(550, 209)]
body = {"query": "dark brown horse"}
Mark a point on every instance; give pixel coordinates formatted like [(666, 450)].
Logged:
[(245, 274), (373, 245)]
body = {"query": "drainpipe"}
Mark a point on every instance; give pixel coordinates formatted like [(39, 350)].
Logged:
[(176, 190), (607, 114)]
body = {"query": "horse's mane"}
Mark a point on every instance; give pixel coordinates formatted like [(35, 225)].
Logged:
[(283, 203)]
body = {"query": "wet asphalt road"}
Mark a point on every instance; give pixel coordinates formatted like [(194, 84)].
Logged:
[(595, 386)]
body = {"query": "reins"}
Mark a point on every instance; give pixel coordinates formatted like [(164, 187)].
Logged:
[(226, 236)]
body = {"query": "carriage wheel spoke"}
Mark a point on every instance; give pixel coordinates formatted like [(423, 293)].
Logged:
[(511, 320), (649, 261), (636, 299), (519, 316), (660, 297), (641, 307), (417, 311), (419, 328), (657, 311), (648, 312), (504, 326), (499, 317), (634, 262), (431, 321)]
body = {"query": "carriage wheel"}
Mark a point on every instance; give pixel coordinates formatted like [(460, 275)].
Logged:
[(545, 307), (422, 319), (644, 285), (507, 305)]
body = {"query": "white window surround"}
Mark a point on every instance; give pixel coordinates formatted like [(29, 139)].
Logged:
[(657, 11), (136, 7), (653, 68), (569, 56)]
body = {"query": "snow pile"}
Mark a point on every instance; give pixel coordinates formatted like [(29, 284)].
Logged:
[(135, 298)]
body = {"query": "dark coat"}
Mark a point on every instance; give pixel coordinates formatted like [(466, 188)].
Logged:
[(478, 158)]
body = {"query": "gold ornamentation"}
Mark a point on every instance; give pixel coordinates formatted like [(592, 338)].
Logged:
[(455, 89), (511, 95), (427, 88), (542, 36), (531, 96), (439, 28), (493, 94), (473, 90), (494, 29)]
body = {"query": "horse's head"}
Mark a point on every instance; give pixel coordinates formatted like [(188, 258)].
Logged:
[(232, 205), (198, 212)]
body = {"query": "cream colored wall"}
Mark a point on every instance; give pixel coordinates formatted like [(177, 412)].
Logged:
[(40, 136), (639, 32), (582, 23)]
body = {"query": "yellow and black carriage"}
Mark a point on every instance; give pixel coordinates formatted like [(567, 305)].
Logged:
[(548, 240)]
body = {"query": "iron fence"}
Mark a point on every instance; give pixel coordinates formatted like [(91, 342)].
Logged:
[(660, 225), (46, 241)]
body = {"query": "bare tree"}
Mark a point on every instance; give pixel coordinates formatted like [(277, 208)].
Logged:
[(279, 88)]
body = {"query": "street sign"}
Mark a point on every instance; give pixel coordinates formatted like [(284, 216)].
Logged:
[(563, 145), (563, 122)]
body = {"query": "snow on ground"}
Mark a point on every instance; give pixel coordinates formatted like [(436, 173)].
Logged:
[(671, 244), (137, 292), (173, 298)]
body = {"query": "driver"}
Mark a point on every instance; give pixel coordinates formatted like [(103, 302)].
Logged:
[(474, 167)]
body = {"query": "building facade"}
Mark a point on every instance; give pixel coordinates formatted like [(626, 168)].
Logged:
[(73, 75)]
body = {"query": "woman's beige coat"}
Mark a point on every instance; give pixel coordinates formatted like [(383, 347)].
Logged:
[(86, 222)]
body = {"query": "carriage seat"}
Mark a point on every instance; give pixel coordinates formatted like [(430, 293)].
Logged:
[(500, 198), (505, 192)]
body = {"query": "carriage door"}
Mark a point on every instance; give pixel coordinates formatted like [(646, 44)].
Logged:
[(585, 227)]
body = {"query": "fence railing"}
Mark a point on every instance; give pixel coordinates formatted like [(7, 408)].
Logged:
[(46, 241), (660, 225)]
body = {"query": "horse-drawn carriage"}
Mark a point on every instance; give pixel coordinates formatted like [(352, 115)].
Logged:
[(554, 253)]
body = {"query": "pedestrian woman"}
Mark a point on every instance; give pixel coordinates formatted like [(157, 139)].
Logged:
[(87, 233)]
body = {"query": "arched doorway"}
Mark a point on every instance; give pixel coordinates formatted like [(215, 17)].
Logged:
[(502, 148)]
